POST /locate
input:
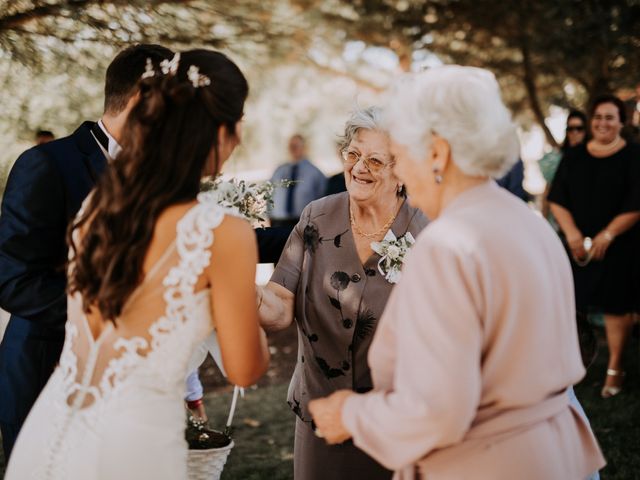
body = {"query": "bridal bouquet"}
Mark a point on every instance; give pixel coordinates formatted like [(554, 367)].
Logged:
[(247, 199), (392, 250)]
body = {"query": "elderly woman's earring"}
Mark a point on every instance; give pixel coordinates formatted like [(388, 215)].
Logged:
[(438, 177), (399, 188)]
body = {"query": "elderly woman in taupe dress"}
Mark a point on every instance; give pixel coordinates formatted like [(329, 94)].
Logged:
[(329, 280)]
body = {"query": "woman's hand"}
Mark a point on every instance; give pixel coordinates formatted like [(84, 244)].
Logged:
[(600, 244), (327, 415), (575, 240), (275, 306)]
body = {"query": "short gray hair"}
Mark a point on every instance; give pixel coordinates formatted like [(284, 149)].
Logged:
[(461, 105), (369, 118)]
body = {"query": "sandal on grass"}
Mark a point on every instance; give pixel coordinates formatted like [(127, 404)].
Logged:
[(609, 391)]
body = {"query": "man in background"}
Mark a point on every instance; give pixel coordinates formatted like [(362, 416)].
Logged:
[(310, 184), (44, 136)]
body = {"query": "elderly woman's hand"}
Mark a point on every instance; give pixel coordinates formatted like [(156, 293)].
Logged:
[(327, 415)]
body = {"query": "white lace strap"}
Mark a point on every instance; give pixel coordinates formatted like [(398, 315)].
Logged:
[(194, 237)]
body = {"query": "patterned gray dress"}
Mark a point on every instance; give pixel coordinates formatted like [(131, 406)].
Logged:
[(337, 306)]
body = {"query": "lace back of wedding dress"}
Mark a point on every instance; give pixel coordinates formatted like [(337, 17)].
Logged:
[(133, 374), (162, 313)]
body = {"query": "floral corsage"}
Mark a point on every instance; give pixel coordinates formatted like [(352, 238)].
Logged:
[(392, 251)]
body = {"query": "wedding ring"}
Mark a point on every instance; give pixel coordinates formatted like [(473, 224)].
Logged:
[(319, 433)]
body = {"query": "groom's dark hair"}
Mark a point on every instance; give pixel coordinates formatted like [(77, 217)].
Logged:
[(125, 70)]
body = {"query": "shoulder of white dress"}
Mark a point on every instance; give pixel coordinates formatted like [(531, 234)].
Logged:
[(197, 224)]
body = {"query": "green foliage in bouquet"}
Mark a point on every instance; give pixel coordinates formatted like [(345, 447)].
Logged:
[(248, 199)]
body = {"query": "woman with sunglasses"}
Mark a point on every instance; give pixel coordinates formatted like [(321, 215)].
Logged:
[(595, 197), (336, 286), (576, 134)]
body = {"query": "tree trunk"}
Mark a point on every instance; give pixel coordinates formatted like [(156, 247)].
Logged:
[(599, 86), (529, 80)]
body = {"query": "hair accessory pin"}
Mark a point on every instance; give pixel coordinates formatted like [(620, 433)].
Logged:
[(148, 69), (170, 66), (196, 78)]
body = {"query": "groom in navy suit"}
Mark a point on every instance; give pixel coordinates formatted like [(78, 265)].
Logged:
[(45, 189)]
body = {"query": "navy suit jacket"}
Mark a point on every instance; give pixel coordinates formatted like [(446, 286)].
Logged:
[(44, 191)]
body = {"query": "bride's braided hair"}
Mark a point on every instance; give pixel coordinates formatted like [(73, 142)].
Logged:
[(165, 145)]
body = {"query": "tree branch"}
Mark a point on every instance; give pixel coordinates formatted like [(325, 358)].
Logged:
[(51, 10), (336, 73), (41, 11)]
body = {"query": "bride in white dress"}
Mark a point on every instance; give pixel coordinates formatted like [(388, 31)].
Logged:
[(153, 269)]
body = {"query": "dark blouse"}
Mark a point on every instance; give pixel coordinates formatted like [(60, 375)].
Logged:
[(595, 190), (338, 300)]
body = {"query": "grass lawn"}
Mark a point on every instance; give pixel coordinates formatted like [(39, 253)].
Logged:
[(615, 421), (263, 433)]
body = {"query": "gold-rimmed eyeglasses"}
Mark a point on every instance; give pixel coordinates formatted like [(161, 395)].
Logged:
[(373, 164)]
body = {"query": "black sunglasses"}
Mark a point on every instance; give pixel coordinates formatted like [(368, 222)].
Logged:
[(575, 129)]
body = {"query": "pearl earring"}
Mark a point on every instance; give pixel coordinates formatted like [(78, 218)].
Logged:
[(438, 176)]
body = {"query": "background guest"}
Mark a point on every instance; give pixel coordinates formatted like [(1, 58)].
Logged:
[(328, 279), (310, 184), (513, 181), (478, 345), (596, 194), (576, 134), (336, 183), (44, 136)]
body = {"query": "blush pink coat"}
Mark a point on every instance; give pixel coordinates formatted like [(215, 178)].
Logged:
[(475, 351)]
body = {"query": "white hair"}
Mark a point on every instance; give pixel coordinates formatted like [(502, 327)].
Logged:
[(461, 105), (370, 118)]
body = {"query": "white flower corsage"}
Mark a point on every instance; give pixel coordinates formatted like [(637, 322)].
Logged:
[(392, 250), (246, 199)]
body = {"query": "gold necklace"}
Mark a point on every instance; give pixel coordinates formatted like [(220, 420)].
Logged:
[(374, 235), (598, 147)]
